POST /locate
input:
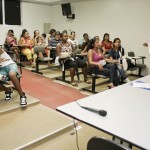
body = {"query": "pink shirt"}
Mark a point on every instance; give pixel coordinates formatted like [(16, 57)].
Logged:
[(97, 57), (11, 41), (107, 45)]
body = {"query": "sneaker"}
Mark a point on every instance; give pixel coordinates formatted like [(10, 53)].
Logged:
[(127, 80), (8, 96), (23, 101)]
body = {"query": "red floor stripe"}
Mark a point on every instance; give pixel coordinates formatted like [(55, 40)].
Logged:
[(48, 92)]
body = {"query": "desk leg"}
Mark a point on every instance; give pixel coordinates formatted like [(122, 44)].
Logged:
[(93, 84), (130, 145)]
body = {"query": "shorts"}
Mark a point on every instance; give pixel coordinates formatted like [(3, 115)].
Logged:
[(75, 63), (9, 68)]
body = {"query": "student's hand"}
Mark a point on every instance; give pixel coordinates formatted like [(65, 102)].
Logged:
[(101, 67), (115, 61)]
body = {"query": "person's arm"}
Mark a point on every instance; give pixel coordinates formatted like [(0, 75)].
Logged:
[(15, 40), (58, 49), (73, 48), (84, 52), (111, 60), (20, 42), (91, 62)]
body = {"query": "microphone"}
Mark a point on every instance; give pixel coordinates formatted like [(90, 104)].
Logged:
[(100, 112)]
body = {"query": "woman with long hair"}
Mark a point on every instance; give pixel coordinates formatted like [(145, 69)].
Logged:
[(116, 54), (11, 43), (71, 63), (27, 45), (106, 44), (101, 65)]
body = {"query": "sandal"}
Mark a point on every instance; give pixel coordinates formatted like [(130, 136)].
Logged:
[(74, 84), (110, 86), (88, 82)]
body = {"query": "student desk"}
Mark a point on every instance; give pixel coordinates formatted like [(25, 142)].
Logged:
[(128, 113)]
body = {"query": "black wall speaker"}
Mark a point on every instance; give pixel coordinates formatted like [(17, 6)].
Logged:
[(66, 9), (12, 12)]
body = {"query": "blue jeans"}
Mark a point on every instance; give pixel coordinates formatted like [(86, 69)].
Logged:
[(120, 72), (109, 71)]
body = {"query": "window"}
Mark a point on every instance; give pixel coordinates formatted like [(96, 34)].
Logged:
[(1, 13), (12, 12)]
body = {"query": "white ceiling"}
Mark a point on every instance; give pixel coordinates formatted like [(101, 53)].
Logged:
[(51, 2)]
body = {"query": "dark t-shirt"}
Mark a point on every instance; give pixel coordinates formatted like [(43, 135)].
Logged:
[(116, 54)]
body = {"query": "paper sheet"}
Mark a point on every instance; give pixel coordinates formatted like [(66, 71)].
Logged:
[(141, 85)]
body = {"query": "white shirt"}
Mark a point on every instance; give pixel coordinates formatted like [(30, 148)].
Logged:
[(73, 42), (7, 62)]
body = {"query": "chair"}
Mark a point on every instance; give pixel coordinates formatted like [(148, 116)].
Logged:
[(137, 65), (53, 53), (64, 68), (37, 50), (98, 143), (94, 77)]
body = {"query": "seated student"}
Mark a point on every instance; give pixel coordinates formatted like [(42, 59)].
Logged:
[(44, 40), (85, 39), (53, 43), (116, 54), (106, 44), (71, 63), (88, 45), (73, 40), (52, 34), (27, 47), (8, 68), (36, 37), (96, 59), (10, 42)]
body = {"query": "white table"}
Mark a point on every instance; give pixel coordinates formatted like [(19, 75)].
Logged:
[(128, 113)]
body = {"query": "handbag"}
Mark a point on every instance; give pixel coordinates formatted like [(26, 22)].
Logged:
[(64, 55)]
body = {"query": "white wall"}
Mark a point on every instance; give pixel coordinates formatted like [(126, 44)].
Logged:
[(33, 17), (126, 19)]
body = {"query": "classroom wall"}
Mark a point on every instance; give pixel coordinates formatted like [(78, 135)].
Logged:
[(126, 19), (33, 17)]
